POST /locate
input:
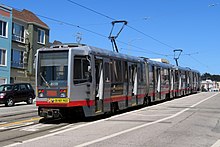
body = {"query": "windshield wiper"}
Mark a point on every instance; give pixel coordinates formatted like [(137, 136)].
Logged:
[(47, 84)]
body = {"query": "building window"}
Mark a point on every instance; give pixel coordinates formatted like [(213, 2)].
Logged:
[(3, 28), (3, 81), (2, 57), (17, 32), (17, 58), (41, 36)]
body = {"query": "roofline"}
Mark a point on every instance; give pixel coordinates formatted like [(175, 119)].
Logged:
[(30, 22), (5, 7)]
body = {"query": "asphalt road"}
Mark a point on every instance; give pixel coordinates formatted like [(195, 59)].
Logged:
[(184, 122)]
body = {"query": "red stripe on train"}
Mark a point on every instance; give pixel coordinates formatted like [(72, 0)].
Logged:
[(85, 102), (70, 104)]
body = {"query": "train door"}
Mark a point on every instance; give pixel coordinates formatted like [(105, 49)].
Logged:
[(133, 81), (176, 83), (99, 93), (158, 83), (180, 83), (184, 83), (141, 84), (126, 82), (187, 82), (130, 84), (151, 83), (179, 91), (190, 82), (163, 83), (107, 84), (154, 83), (171, 83)]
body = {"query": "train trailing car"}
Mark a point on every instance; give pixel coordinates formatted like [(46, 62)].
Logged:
[(83, 80), (160, 80)]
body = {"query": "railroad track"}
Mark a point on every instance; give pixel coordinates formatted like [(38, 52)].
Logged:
[(20, 126)]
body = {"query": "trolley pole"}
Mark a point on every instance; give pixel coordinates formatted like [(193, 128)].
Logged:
[(177, 53), (113, 37)]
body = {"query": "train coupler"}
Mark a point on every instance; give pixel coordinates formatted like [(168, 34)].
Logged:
[(49, 112)]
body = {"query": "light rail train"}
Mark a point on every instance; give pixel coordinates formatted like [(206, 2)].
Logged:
[(83, 80)]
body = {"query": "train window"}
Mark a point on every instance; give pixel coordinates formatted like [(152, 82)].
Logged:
[(176, 75), (151, 77), (117, 71), (77, 69), (130, 73), (81, 69), (125, 65), (166, 74), (141, 72), (107, 73), (162, 75), (133, 72)]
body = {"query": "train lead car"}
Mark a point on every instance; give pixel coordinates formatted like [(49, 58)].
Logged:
[(80, 80)]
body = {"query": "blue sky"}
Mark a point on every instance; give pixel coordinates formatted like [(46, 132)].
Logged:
[(190, 25)]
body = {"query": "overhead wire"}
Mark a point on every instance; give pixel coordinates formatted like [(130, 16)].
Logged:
[(94, 11), (106, 16), (165, 44), (188, 54), (199, 62), (93, 32), (73, 25), (143, 50)]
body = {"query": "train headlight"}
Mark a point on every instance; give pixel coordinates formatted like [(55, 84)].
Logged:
[(41, 93), (63, 93)]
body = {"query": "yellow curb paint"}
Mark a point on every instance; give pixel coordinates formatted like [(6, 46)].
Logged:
[(20, 122)]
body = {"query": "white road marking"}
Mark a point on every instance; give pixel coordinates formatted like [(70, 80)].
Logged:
[(2, 128), (151, 115), (2, 123), (15, 126), (35, 127), (15, 111), (216, 144), (115, 134), (55, 130)]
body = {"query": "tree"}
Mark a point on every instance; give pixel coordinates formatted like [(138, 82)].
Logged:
[(206, 76)]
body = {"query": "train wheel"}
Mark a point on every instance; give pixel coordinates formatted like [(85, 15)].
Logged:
[(146, 101), (114, 108), (168, 96)]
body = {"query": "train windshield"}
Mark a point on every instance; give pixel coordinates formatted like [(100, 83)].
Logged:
[(52, 69)]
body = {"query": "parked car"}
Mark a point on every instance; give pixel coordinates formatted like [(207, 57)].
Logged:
[(16, 92), (214, 90)]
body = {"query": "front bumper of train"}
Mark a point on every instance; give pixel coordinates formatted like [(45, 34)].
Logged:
[(57, 102)]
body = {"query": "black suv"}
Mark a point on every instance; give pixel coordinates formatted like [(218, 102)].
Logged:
[(16, 92)]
